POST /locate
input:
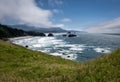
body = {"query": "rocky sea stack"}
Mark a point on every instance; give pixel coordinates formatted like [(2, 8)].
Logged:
[(50, 35)]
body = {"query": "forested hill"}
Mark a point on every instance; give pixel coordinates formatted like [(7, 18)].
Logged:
[(7, 32)]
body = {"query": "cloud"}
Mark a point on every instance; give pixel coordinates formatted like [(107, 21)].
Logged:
[(112, 26), (66, 20), (55, 2), (57, 11), (59, 25), (24, 12)]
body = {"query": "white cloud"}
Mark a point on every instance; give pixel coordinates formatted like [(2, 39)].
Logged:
[(66, 20), (55, 2), (59, 25), (112, 26), (25, 12), (56, 11)]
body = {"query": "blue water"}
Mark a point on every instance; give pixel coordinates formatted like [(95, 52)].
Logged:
[(81, 48)]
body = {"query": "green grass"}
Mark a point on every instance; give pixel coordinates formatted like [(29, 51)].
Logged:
[(18, 64)]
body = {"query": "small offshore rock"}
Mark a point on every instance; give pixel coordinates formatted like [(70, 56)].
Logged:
[(50, 35), (26, 46)]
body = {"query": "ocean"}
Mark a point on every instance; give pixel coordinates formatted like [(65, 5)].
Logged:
[(82, 48)]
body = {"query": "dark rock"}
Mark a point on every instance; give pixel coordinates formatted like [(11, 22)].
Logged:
[(102, 51), (26, 46), (50, 35), (64, 35), (42, 34), (72, 35), (68, 56)]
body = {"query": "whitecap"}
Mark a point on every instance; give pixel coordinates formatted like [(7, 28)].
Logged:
[(52, 46), (56, 54), (76, 49), (102, 50)]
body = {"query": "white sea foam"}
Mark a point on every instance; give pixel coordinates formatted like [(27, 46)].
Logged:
[(57, 47), (56, 54), (52, 46), (76, 49), (102, 50), (38, 45)]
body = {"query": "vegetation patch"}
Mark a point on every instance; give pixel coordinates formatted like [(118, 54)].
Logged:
[(18, 64)]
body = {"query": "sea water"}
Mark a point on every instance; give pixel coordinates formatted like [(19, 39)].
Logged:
[(81, 48)]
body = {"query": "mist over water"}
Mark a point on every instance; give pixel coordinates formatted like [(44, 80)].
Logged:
[(81, 48)]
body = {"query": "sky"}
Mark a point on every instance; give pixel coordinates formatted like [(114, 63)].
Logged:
[(94, 16)]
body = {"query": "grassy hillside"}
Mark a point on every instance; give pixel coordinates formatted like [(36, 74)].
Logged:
[(18, 64)]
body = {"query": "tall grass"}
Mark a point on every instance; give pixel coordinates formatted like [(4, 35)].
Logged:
[(18, 64)]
